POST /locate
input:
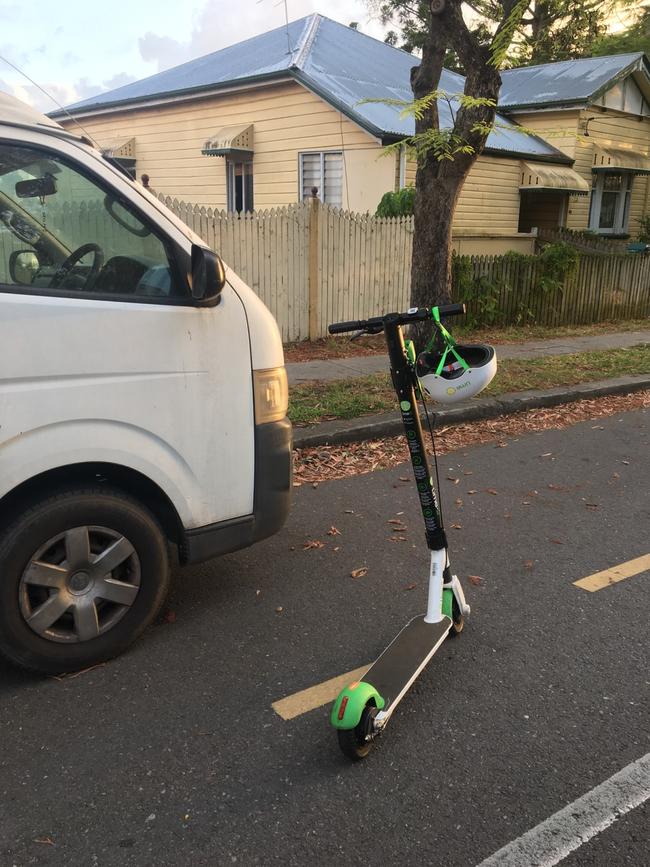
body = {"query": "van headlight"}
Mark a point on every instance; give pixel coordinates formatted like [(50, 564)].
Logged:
[(271, 394)]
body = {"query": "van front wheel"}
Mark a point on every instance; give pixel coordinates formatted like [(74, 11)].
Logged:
[(82, 574)]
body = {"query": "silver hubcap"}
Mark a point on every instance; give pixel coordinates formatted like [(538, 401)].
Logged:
[(79, 584)]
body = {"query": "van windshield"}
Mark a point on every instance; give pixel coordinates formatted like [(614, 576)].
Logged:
[(67, 231)]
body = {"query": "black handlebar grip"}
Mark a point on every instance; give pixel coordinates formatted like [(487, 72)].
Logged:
[(342, 327), (452, 309)]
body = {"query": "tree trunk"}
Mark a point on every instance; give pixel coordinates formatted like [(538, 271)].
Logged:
[(439, 182)]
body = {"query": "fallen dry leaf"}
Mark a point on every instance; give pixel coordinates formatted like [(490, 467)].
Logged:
[(492, 491), (333, 531), (46, 841), (325, 463), (557, 541), (592, 506), (476, 580), (359, 573), (313, 543), (528, 564), (472, 492), (404, 479), (468, 472), (397, 539), (456, 526), (410, 586), (501, 446), (279, 609)]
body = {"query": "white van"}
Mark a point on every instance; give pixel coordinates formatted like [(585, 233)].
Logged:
[(143, 401)]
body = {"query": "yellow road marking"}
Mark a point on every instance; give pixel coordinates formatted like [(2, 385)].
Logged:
[(617, 573), (316, 696)]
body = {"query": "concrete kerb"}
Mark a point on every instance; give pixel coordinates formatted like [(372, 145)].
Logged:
[(389, 424)]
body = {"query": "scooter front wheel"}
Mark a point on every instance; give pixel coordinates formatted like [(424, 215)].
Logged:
[(356, 743)]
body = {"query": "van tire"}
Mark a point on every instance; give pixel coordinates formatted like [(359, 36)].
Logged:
[(45, 540)]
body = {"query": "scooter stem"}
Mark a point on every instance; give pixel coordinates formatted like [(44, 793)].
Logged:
[(436, 580)]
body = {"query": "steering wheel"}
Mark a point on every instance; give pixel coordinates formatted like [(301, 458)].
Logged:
[(68, 264)]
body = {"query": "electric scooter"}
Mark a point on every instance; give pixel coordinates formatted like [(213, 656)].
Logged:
[(363, 709)]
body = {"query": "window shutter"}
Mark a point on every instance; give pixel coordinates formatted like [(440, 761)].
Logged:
[(311, 174), (333, 188), (325, 171)]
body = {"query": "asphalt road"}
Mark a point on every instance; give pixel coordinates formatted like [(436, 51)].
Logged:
[(172, 754)]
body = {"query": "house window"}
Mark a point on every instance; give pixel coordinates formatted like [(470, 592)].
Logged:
[(610, 203), (323, 170), (240, 186)]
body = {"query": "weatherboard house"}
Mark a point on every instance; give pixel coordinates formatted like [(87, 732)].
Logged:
[(257, 125)]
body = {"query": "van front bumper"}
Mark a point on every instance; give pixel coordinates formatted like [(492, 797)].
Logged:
[(271, 503)]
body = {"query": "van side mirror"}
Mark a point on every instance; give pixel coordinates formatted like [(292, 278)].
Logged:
[(23, 266), (208, 276)]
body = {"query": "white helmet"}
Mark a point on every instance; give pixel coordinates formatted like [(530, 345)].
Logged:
[(458, 372)]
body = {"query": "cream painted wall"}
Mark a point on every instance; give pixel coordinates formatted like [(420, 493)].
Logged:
[(565, 131), (287, 119), (368, 175)]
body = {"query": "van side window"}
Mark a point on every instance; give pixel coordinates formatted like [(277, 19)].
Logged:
[(60, 231)]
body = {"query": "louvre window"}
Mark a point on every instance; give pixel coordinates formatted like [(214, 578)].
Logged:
[(323, 170)]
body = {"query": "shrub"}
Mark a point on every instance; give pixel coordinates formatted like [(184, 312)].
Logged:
[(644, 229), (397, 204)]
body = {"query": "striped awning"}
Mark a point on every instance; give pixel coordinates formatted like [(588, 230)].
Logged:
[(123, 149), (544, 178), (613, 159), (230, 141)]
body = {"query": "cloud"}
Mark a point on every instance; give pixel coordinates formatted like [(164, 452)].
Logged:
[(164, 51), (211, 31)]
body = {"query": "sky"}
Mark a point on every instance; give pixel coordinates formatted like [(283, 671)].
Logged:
[(77, 48)]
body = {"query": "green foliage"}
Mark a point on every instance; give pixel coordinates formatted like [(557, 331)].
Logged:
[(397, 204), (644, 229), (484, 292), (534, 31), (635, 38)]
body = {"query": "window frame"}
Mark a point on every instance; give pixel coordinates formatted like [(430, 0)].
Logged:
[(230, 185), (622, 212), (321, 188), (179, 259)]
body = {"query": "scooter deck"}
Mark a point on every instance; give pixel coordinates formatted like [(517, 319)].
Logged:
[(405, 657)]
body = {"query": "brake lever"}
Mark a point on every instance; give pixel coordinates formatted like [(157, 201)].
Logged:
[(358, 335)]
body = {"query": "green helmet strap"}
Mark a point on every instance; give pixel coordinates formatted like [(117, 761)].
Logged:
[(450, 343)]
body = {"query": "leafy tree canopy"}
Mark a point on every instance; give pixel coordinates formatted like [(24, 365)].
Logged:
[(549, 30)]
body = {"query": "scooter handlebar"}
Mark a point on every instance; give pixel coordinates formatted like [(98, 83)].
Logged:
[(415, 314), (342, 327)]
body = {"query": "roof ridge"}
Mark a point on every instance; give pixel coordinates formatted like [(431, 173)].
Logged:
[(302, 49)]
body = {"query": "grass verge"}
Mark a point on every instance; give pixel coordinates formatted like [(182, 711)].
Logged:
[(364, 395)]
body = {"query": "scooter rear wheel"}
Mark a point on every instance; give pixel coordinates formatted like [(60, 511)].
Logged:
[(356, 743), (457, 619)]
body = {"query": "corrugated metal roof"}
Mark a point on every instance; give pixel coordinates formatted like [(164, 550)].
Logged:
[(563, 83), (347, 67)]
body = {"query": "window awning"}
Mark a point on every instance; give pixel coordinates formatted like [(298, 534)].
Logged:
[(544, 178), (123, 149), (230, 141), (613, 159)]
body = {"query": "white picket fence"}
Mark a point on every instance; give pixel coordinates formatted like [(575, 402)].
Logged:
[(311, 264)]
